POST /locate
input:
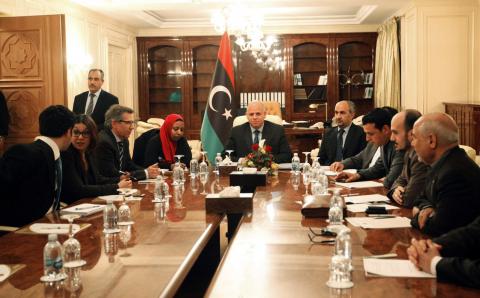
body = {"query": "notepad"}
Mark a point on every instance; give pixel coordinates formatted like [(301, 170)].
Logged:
[(363, 207), (359, 184), (83, 209), (393, 268), (366, 199), (380, 222)]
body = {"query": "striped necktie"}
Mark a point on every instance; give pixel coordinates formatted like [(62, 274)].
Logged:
[(339, 152), (90, 105), (120, 153)]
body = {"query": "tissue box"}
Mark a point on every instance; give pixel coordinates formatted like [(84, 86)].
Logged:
[(248, 182), (226, 170), (215, 204)]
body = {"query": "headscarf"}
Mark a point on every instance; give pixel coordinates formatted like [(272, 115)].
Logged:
[(169, 146)]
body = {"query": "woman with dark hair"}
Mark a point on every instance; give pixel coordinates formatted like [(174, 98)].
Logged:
[(80, 175), (162, 149)]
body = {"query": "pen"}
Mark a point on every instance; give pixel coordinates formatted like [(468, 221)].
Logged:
[(89, 207), (382, 217)]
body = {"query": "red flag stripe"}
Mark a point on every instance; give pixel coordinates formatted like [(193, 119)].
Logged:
[(225, 57)]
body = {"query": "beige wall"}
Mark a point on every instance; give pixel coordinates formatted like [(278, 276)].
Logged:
[(87, 35), (440, 54)]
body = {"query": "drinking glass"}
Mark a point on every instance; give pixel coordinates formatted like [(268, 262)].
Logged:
[(124, 213), (203, 180), (306, 180), (194, 185), (125, 236), (71, 257), (295, 178)]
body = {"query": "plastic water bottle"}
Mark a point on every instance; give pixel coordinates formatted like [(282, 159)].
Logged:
[(110, 217), (335, 213), (218, 161), (53, 258), (295, 162)]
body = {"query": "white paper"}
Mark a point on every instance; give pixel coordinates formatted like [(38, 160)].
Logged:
[(359, 184), (393, 268), (4, 272), (366, 199), (147, 181), (363, 207), (242, 195), (50, 228), (285, 166), (83, 209), (380, 222)]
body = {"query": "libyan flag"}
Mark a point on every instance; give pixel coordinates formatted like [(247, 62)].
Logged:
[(220, 109)]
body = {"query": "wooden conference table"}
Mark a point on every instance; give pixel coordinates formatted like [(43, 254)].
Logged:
[(270, 255)]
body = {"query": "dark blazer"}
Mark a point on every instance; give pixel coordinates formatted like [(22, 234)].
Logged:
[(4, 116), (27, 182), (460, 252), (77, 183), (388, 165), (105, 100), (108, 157), (241, 141), (354, 143), (412, 178), (361, 160), (452, 189), (154, 152), (140, 145)]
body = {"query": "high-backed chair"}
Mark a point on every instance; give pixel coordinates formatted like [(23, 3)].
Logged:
[(273, 108), (239, 120), (470, 151)]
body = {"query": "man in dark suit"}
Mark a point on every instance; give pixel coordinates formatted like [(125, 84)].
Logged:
[(411, 182), (4, 121), (30, 174), (454, 257), (376, 125), (96, 101), (243, 136), (345, 140), (451, 197), (112, 151)]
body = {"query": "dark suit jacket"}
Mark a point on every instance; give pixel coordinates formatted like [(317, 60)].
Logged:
[(140, 145), (453, 190), (27, 182), (108, 157), (77, 183), (361, 160), (412, 178), (4, 116), (354, 143), (154, 151), (241, 141), (105, 100), (460, 252), (388, 165)]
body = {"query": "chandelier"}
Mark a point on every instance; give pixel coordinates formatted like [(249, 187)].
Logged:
[(246, 25)]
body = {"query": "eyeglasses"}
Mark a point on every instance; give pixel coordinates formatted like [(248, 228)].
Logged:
[(323, 233), (129, 123), (77, 133)]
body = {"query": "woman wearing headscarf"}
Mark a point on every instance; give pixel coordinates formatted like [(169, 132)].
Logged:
[(170, 142)]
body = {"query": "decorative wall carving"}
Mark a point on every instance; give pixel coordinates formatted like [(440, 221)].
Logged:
[(19, 54), (23, 107)]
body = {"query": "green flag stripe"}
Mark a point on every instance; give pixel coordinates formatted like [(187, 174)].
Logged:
[(210, 141)]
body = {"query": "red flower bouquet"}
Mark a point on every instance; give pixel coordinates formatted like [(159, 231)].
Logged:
[(261, 158)]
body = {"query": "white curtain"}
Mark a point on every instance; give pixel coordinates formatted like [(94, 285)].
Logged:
[(387, 66)]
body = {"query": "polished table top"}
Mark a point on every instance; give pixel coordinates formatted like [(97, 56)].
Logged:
[(161, 251), (272, 256)]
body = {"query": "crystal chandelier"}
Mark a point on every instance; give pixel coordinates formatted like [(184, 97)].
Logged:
[(246, 25)]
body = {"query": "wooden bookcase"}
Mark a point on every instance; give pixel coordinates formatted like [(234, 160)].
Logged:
[(175, 75)]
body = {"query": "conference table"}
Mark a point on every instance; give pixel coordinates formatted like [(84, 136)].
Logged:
[(176, 250)]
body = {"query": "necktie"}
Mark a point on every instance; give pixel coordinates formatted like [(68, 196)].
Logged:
[(58, 183), (256, 140), (339, 153), (90, 105), (120, 153)]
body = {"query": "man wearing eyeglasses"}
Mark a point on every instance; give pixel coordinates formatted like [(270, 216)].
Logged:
[(94, 102), (112, 152)]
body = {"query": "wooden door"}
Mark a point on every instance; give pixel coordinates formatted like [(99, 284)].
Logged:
[(32, 70)]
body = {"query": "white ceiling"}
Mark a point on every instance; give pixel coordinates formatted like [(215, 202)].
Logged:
[(161, 14)]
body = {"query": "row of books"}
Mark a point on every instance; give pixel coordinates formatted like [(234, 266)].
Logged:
[(246, 97), (323, 80)]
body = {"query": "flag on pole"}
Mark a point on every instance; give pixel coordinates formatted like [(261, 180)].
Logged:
[(220, 109)]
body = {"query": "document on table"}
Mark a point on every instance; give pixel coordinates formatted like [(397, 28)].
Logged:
[(366, 199), (146, 181), (393, 268), (380, 222), (363, 207), (285, 166), (359, 184)]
